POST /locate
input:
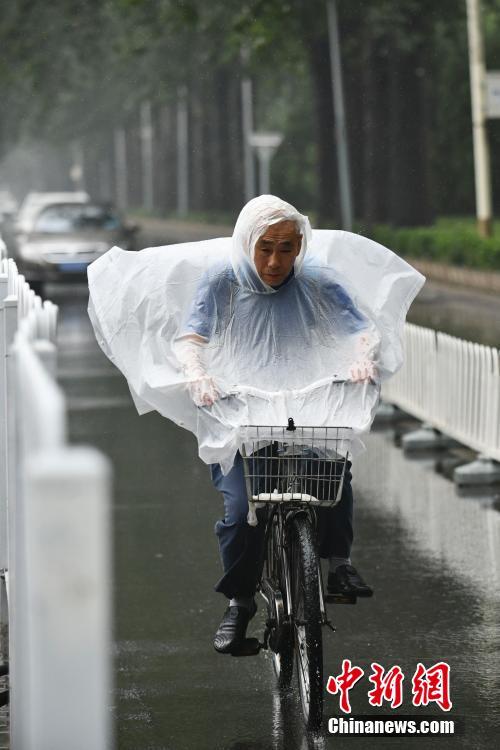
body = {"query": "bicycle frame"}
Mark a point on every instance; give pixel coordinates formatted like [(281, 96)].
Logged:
[(284, 513)]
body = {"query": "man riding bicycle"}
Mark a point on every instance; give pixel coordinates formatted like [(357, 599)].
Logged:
[(251, 330), (270, 266)]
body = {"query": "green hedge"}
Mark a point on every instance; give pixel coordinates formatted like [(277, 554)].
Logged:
[(446, 242)]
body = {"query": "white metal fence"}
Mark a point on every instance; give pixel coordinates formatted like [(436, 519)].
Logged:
[(453, 385), (54, 542)]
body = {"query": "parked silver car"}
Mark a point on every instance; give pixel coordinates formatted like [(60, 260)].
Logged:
[(65, 237)]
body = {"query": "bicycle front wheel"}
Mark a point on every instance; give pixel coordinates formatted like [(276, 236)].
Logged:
[(281, 638), (307, 620)]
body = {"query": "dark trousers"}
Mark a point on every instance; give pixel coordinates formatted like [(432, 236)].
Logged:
[(242, 546)]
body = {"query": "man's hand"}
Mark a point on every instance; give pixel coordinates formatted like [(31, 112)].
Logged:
[(362, 371), (203, 391), (189, 352)]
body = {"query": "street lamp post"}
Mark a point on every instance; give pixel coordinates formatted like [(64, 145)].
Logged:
[(147, 156), (265, 145), (121, 170)]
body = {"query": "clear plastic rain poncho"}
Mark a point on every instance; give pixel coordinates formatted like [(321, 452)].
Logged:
[(183, 320)]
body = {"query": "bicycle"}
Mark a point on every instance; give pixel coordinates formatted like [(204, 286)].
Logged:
[(291, 471)]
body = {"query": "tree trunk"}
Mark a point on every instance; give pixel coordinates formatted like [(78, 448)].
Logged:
[(408, 192), (234, 197), (134, 173), (426, 140), (369, 187), (319, 60), (196, 146), (228, 129)]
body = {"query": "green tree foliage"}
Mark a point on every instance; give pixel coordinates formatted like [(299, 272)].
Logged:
[(79, 68)]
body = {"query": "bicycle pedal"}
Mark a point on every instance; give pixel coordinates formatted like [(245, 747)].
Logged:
[(341, 598), (249, 647)]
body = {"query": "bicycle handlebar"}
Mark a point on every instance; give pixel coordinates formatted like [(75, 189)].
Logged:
[(260, 393)]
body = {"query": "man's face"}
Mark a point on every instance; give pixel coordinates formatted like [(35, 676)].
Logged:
[(276, 250)]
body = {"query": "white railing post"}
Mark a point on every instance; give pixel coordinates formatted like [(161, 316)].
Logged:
[(4, 289), (59, 557), (10, 319), (47, 353), (40, 417), (67, 517)]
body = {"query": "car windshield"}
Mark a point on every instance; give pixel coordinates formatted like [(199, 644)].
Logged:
[(71, 217)]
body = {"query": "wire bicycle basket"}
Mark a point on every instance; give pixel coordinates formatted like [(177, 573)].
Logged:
[(295, 464)]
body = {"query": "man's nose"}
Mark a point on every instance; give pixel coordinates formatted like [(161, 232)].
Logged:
[(274, 261)]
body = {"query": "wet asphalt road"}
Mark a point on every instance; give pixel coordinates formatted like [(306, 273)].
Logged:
[(432, 555)]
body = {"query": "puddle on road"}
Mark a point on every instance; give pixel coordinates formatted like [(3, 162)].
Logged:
[(460, 529)]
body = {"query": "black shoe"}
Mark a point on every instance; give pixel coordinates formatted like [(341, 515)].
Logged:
[(347, 581), (231, 632)]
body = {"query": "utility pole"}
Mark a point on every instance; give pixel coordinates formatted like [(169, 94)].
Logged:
[(480, 139), (340, 123), (147, 157), (121, 176), (247, 127)]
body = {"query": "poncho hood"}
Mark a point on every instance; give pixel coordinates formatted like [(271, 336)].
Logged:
[(255, 217)]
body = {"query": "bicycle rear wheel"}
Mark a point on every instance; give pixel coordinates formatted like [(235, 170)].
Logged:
[(281, 637), (307, 620)]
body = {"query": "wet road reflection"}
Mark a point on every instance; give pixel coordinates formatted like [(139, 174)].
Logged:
[(432, 556)]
